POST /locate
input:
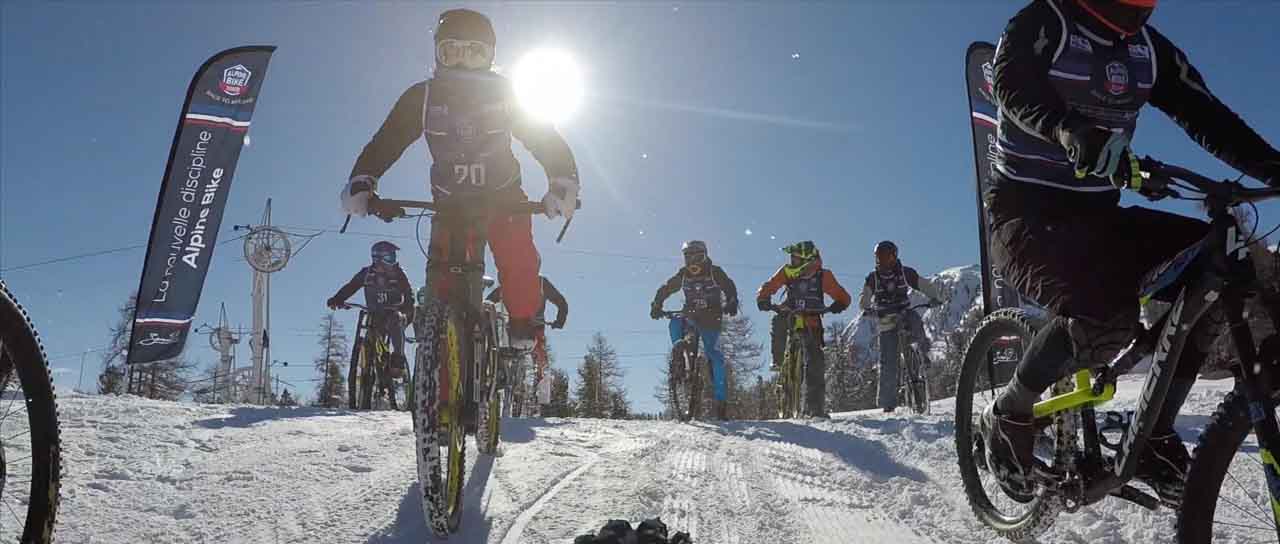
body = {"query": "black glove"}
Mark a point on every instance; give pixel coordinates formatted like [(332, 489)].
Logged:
[(558, 323), (763, 304), (1093, 150), (838, 307), (655, 311), (731, 307), (333, 303)]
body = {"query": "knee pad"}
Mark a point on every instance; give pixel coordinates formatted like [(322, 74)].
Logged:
[(1096, 343)]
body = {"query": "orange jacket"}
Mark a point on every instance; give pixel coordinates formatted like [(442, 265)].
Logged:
[(830, 286)]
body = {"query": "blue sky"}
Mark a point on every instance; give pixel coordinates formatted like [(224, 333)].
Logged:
[(844, 123)]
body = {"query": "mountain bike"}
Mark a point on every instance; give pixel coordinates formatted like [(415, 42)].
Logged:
[(370, 365), (684, 373), (1215, 273), (30, 445), (913, 377), (795, 361), (458, 379)]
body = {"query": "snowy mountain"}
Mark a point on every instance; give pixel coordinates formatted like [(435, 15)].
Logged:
[(962, 294), (153, 471)]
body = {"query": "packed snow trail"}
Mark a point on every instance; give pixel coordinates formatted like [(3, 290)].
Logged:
[(149, 471)]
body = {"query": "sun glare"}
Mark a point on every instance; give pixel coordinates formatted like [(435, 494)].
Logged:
[(548, 85)]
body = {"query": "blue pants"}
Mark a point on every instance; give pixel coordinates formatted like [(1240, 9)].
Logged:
[(711, 343)]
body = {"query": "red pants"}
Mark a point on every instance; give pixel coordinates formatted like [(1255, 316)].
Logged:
[(511, 240)]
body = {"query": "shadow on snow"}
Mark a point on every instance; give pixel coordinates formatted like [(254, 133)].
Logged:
[(857, 452), (410, 525)]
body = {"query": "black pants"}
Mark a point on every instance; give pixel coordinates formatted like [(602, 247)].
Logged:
[(1089, 267), (815, 374)]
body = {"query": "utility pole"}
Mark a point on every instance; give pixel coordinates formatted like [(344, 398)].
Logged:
[(80, 382)]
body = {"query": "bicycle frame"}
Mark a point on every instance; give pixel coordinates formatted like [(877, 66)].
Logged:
[(1222, 252)]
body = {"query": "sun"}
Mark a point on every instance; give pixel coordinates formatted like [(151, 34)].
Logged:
[(548, 85)]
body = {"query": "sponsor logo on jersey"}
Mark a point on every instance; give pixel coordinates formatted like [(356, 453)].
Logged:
[(1082, 43), (1117, 78), (1139, 51)]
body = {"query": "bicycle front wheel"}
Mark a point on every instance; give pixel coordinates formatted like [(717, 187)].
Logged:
[(997, 344), (438, 406), (793, 364), (1229, 475), (917, 382), (30, 448)]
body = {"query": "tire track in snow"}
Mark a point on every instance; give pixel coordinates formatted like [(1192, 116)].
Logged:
[(516, 531)]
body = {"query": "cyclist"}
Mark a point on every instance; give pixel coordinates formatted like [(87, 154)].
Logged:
[(468, 115), (388, 296), (1070, 77), (708, 293), (886, 288), (806, 282), (552, 295)]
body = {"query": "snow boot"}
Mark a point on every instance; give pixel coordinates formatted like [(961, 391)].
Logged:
[(1010, 442)]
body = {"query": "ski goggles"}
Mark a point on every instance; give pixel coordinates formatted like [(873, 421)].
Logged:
[(388, 258), (695, 257), (468, 54)]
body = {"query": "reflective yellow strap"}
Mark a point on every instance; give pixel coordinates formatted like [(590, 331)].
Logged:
[(1135, 176), (1273, 478)]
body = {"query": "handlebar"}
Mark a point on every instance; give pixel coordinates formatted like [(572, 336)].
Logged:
[(1164, 177), (785, 310), (898, 309), (350, 305), (391, 209)]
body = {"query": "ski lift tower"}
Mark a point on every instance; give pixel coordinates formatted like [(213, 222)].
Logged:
[(267, 250), (223, 340)]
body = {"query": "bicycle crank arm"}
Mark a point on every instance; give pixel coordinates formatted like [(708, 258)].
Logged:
[(1137, 496)]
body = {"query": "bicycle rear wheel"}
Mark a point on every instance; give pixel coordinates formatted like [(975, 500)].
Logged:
[(30, 451), (492, 393), (441, 437)]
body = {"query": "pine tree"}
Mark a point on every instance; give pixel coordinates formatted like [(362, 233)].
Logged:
[(599, 380), (330, 363), (286, 399), (560, 405)]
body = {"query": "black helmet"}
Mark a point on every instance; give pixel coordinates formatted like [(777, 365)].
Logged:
[(465, 24), (384, 252), (886, 246)]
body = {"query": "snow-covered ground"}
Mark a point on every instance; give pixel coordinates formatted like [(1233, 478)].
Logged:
[(146, 471)]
